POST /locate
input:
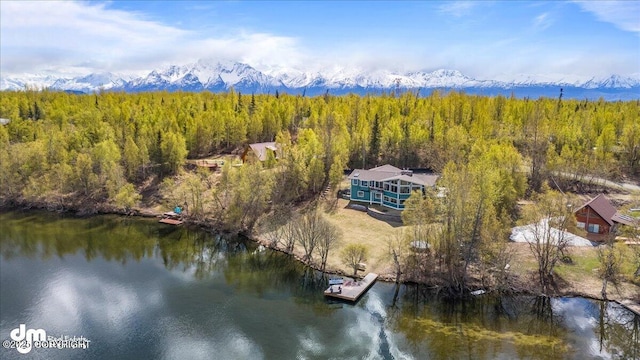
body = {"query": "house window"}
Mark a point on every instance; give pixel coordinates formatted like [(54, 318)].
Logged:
[(581, 225), (376, 196), (386, 187), (405, 190), (364, 183), (360, 194), (394, 188), (594, 228), (354, 182)]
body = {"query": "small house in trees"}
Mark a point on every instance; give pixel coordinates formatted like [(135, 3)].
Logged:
[(387, 185), (598, 217), (259, 152)]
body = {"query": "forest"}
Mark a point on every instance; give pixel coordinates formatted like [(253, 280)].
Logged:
[(64, 150), (120, 152)]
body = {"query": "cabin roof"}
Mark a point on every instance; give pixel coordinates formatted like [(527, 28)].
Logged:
[(603, 207), (260, 149)]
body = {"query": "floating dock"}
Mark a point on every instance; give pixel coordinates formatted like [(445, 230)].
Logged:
[(351, 290), (171, 221), (171, 218)]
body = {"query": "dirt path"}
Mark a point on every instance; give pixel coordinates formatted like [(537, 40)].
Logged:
[(625, 186)]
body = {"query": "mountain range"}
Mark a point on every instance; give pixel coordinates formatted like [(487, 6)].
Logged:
[(221, 76)]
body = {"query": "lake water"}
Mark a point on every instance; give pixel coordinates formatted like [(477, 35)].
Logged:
[(142, 290)]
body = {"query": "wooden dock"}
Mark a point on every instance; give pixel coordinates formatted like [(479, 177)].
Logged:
[(351, 290), (171, 218), (171, 221)]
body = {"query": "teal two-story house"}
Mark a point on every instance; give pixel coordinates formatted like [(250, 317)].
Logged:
[(387, 185)]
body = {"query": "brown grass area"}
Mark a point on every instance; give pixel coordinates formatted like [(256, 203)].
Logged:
[(578, 278), (358, 227)]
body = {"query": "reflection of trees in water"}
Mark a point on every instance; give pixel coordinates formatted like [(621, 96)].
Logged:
[(46, 235), (198, 251), (512, 326), (479, 327), (618, 331), (123, 239), (115, 238), (543, 319), (272, 271)]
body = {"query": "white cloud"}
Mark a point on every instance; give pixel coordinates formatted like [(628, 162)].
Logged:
[(75, 37), (457, 8), (542, 21), (625, 15)]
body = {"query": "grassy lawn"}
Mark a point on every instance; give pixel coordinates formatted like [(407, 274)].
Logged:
[(358, 227), (579, 276), (583, 273), (586, 261)]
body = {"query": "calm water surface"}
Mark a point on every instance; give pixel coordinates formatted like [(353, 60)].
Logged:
[(141, 290)]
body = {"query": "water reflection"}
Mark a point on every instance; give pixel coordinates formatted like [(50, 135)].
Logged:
[(526, 327), (138, 289)]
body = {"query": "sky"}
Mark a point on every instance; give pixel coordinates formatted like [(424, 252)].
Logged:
[(499, 40)]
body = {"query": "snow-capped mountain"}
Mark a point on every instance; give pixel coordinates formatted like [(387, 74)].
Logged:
[(220, 76), (613, 81), (24, 81), (203, 75), (91, 82)]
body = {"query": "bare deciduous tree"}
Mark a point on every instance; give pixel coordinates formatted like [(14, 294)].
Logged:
[(632, 233), (307, 230), (288, 239), (275, 227), (549, 240), (610, 261), (398, 250), (328, 238), (353, 255)]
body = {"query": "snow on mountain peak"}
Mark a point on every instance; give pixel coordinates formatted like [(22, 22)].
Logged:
[(613, 81), (221, 75)]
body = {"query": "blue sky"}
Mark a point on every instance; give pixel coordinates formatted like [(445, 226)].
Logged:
[(483, 39)]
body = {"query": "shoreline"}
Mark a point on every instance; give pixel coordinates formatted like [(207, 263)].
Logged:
[(627, 303)]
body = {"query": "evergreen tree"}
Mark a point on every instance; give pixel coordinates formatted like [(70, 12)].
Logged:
[(374, 141)]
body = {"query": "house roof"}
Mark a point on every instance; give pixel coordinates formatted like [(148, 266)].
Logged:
[(428, 179), (260, 149), (389, 172), (623, 219), (386, 168), (603, 207)]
